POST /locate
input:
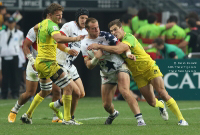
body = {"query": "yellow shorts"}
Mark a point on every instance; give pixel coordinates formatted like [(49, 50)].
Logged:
[(144, 79), (46, 68)]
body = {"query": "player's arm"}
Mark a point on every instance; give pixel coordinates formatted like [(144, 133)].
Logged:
[(63, 48), (63, 39), (26, 45), (169, 25), (118, 49), (91, 63), (184, 43)]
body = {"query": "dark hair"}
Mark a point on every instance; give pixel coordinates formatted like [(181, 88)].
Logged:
[(193, 15), (191, 22), (125, 18), (44, 13), (158, 41), (173, 18), (54, 7), (2, 7), (92, 20), (115, 22), (151, 18), (79, 12), (142, 14)]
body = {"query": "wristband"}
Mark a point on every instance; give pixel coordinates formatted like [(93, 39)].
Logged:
[(30, 58), (150, 46), (128, 53), (67, 49), (94, 61)]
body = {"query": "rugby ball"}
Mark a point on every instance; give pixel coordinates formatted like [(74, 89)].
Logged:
[(91, 54)]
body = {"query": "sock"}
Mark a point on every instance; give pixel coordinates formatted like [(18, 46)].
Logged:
[(113, 113), (171, 103), (36, 101), (58, 104), (159, 104), (54, 116), (67, 99), (73, 117), (139, 117), (16, 107)]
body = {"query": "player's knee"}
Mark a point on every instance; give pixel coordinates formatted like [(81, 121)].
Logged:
[(106, 105), (76, 94), (125, 94)]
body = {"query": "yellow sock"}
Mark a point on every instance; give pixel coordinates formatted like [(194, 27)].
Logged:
[(159, 104), (67, 99), (36, 101), (171, 103)]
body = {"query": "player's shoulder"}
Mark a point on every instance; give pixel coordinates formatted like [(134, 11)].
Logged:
[(104, 33)]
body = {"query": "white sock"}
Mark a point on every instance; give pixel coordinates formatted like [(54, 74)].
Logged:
[(54, 116), (16, 107), (57, 104), (139, 117), (114, 113)]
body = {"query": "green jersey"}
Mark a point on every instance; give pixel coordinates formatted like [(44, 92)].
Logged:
[(174, 35), (148, 33), (127, 29), (136, 24), (187, 30), (46, 44), (170, 49)]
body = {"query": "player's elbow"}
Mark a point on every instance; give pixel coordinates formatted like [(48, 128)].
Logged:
[(119, 51)]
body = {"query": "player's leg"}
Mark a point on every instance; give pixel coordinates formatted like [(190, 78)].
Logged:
[(31, 87), (158, 84), (24, 97), (107, 93), (56, 94), (124, 88)]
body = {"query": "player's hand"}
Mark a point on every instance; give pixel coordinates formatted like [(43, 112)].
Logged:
[(93, 46), (73, 52), (79, 38), (132, 57), (97, 54)]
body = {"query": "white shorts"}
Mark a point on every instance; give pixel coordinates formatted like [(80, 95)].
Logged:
[(72, 71), (113, 77), (31, 74)]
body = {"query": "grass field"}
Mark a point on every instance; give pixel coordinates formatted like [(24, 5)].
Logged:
[(92, 114)]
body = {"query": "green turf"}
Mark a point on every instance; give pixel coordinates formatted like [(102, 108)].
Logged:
[(92, 114)]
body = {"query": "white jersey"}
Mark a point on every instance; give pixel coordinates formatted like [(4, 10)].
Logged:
[(112, 62), (70, 29), (32, 37)]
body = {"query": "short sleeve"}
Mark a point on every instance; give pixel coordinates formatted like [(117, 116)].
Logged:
[(112, 40), (130, 41), (52, 28), (162, 28), (84, 48), (31, 35), (66, 29), (187, 38)]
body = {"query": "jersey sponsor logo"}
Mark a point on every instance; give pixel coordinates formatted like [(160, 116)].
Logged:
[(155, 71), (55, 28)]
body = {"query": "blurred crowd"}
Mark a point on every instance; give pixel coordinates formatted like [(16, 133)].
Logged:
[(12, 60), (168, 41)]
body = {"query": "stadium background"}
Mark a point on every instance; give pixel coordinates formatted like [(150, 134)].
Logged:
[(105, 11)]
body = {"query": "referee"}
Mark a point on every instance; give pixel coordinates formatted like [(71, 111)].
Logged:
[(10, 42)]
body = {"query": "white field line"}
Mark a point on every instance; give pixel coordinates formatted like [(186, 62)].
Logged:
[(194, 108), (7, 104)]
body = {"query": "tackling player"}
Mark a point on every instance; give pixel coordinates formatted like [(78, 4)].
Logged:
[(113, 71), (146, 73)]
